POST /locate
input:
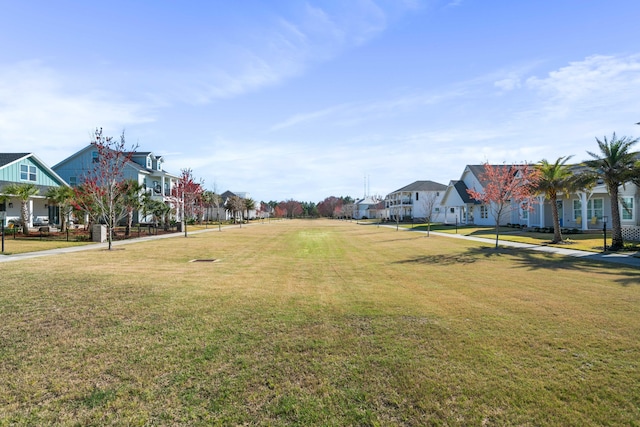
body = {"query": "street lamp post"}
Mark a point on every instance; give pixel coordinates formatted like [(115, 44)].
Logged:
[(3, 215), (604, 229)]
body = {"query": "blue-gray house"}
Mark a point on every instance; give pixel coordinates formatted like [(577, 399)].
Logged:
[(144, 167), (27, 168)]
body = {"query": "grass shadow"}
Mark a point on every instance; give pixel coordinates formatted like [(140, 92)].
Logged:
[(533, 260), (440, 259)]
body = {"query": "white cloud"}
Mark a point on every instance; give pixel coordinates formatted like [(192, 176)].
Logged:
[(40, 110), (279, 49), (599, 83), (509, 83)]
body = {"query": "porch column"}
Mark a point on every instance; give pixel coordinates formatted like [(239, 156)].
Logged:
[(583, 209), (541, 204), (30, 219)]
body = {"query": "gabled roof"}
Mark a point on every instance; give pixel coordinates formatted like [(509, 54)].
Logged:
[(367, 201), (227, 194), (422, 186), (457, 193), (130, 163), (8, 158), (461, 188)]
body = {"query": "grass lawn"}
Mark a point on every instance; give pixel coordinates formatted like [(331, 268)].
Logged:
[(318, 323), (592, 242), (20, 245), (35, 243)]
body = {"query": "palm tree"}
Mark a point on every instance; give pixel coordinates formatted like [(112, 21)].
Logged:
[(131, 200), (615, 165), (23, 192), (557, 178), (159, 211), (62, 197)]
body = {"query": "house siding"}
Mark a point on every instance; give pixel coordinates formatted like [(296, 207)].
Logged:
[(12, 172)]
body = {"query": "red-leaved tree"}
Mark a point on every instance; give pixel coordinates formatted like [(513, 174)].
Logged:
[(327, 207), (186, 195), (101, 192), (506, 187), (292, 208)]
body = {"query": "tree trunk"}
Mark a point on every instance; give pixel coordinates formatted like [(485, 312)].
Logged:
[(557, 233), (24, 213), (617, 241), (127, 230), (63, 221)]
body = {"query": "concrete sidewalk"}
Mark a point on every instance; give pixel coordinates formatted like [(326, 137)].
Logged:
[(626, 258), (96, 246)]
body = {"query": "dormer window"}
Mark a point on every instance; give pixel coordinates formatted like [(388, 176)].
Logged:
[(159, 164), (94, 157), (148, 162), (27, 173)]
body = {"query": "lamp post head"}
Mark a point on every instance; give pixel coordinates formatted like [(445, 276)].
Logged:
[(605, 219)]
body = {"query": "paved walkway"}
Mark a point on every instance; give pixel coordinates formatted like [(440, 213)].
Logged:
[(94, 246), (625, 258)]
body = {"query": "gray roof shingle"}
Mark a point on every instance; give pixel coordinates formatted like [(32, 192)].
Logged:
[(6, 158), (423, 186)]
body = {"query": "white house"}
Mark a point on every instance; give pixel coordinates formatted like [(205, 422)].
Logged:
[(366, 208), (583, 210), (415, 201)]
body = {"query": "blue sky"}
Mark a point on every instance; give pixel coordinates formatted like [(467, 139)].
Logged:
[(304, 99)]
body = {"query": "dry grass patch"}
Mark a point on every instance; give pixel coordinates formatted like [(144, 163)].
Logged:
[(318, 323)]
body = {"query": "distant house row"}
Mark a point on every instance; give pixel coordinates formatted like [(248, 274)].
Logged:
[(146, 168), (452, 204)]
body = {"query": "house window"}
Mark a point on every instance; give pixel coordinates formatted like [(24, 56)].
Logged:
[(27, 173), (484, 212), (524, 211), (94, 157), (452, 210), (416, 196), (436, 210), (73, 181), (594, 209), (577, 210), (626, 205), (149, 162)]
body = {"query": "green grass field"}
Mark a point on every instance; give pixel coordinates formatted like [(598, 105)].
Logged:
[(318, 323), (591, 242)]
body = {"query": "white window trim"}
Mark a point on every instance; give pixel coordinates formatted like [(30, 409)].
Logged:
[(623, 210), (30, 170)]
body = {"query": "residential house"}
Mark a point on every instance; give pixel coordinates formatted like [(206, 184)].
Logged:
[(587, 209), (415, 200), (367, 208), (144, 167), (27, 168), (583, 210), (252, 214), (459, 206)]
